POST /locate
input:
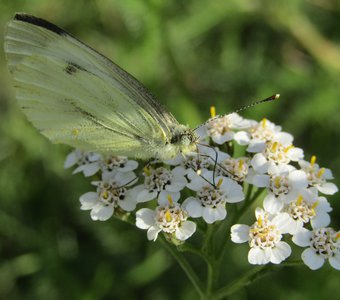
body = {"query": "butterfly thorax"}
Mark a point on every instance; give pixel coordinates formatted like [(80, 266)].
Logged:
[(182, 139)]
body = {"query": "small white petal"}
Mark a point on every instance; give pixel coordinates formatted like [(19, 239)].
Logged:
[(323, 205), (88, 200), (129, 166), (163, 197), (145, 195), (260, 163), (193, 206), (311, 259), (302, 238), (298, 179), (221, 139), (272, 204), (196, 182), (210, 215), (125, 178), (257, 256), (259, 213), (145, 218), (202, 131), (335, 261), (256, 146), (186, 230), (261, 180), (240, 233), (327, 174), (152, 233), (101, 212), (90, 169), (284, 138), (321, 219), (284, 223), (127, 204), (70, 160), (242, 138), (328, 188), (295, 154), (280, 252), (177, 184)]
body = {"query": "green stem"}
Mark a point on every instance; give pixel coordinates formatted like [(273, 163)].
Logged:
[(241, 282), (208, 250), (210, 280), (250, 277), (207, 246), (186, 247), (185, 266)]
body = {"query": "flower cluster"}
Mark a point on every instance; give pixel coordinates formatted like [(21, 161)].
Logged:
[(176, 196)]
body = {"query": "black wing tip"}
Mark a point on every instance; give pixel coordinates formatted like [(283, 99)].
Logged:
[(23, 17)]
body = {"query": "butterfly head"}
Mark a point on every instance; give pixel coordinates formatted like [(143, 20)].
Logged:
[(183, 139)]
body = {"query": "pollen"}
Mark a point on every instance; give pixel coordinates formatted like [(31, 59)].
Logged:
[(219, 182), (299, 200), (274, 146), (260, 221), (171, 202), (277, 182), (337, 236), (315, 204), (240, 165), (168, 217), (105, 195), (147, 171), (264, 122), (199, 172), (320, 173), (212, 111), (312, 160), (288, 148)]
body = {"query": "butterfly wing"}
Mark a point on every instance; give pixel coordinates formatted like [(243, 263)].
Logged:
[(75, 95)]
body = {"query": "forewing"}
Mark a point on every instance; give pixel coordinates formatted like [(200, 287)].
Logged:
[(74, 95)]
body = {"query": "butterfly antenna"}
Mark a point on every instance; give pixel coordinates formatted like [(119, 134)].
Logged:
[(216, 164), (214, 160), (269, 99)]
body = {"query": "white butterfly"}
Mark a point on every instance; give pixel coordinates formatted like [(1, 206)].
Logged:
[(74, 95)]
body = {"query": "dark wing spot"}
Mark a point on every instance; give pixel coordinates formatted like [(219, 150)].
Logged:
[(39, 22), (72, 68)]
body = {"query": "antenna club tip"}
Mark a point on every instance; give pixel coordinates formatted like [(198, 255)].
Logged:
[(277, 96)]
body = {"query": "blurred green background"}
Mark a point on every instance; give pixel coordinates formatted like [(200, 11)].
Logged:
[(190, 54)]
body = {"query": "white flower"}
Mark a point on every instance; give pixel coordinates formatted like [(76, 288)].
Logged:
[(117, 163), (264, 237), (111, 193), (200, 161), (235, 168), (87, 162), (160, 183), (318, 177), (171, 219), (210, 200), (308, 207), (223, 128), (277, 153), (283, 182), (266, 132), (322, 243)]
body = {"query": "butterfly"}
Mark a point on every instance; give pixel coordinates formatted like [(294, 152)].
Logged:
[(74, 95)]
